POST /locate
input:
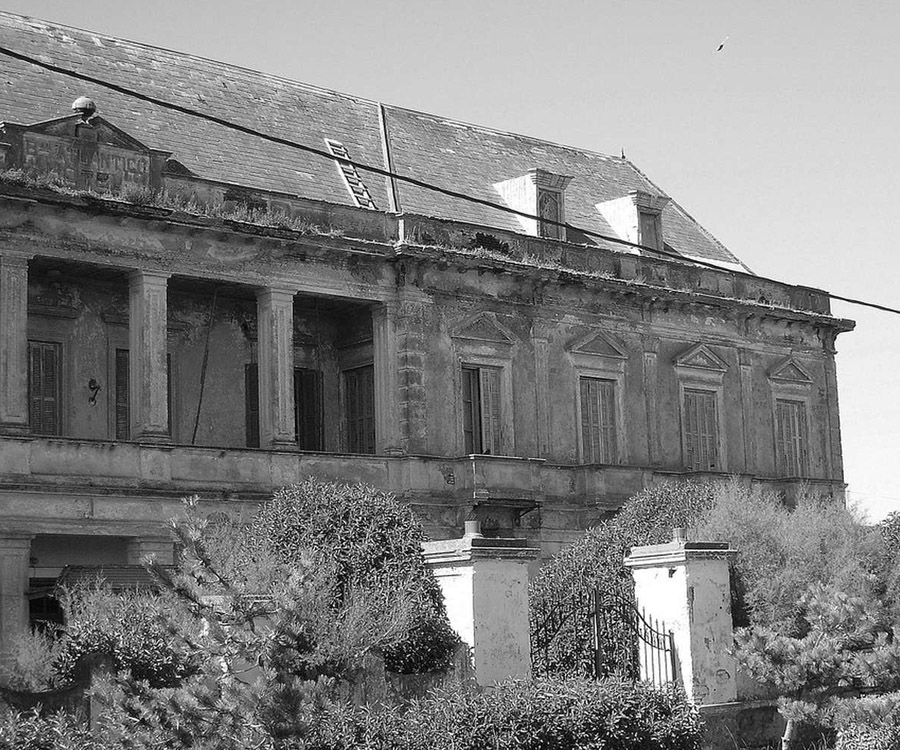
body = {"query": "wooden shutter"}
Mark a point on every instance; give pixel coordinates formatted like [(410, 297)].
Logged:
[(123, 410), (308, 409), (701, 430), (251, 404), (598, 420), (471, 404), (491, 429), (791, 447), (359, 407), (44, 361)]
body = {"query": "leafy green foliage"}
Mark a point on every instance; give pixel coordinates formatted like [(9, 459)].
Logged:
[(541, 715), (31, 731), (373, 544), (596, 562)]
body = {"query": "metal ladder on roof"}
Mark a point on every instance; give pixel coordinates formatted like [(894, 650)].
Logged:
[(355, 185)]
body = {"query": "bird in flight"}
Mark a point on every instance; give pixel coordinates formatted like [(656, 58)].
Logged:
[(722, 43)]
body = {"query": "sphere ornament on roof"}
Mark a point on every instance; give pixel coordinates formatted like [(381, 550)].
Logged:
[(85, 106)]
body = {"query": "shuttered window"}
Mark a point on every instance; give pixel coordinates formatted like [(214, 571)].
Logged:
[(549, 207), (359, 409), (308, 409), (791, 446), (701, 430), (482, 431), (44, 387), (123, 411), (123, 388), (598, 421), (251, 404)]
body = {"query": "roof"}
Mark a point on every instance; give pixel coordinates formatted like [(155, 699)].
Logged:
[(455, 155)]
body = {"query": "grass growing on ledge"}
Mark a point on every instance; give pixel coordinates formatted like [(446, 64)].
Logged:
[(148, 198)]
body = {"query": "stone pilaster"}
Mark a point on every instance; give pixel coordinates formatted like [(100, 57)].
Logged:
[(686, 586), (162, 548), (275, 322), (411, 353), (15, 551), (13, 344), (387, 388), (485, 587), (148, 380), (542, 386), (747, 416), (651, 390)]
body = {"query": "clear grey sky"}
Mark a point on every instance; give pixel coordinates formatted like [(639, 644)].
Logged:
[(785, 145)]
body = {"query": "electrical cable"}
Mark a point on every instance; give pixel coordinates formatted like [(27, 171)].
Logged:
[(124, 90)]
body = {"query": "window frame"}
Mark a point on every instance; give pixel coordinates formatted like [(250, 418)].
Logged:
[(701, 369), (61, 390), (717, 401), (802, 401), (475, 361)]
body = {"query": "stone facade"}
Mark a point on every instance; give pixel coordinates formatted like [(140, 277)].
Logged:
[(166, 332)]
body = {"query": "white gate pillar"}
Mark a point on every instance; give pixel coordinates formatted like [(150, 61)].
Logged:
[(686, 585), (485, 587)]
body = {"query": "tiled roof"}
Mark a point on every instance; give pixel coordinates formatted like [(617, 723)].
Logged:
[(451, 154)]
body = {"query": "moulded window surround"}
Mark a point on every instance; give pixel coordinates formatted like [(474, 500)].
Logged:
[(791, 419), (484, 405), (701, 376)]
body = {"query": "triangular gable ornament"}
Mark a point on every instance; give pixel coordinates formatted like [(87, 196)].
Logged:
[(701, 357), (789, 370), (598, 345), (482, 327)]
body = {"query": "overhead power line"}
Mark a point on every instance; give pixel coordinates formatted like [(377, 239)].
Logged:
[(394, 175)]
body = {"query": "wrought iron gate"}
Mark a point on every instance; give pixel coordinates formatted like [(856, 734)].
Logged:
[(597, 634)]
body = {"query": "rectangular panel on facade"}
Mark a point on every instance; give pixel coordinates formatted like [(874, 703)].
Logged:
[(598, 421), (359, 409), (44, 387)]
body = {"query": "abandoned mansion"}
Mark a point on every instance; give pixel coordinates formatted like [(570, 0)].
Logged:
[(187, 309)]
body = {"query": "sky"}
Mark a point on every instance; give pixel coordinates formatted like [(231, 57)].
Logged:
[(785, 145)]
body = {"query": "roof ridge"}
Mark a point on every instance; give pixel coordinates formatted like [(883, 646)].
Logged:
[(146, 45)]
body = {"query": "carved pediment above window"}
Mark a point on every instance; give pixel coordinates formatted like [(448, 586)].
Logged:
[(789, 371), (701, 357), (597, 345), (482, 328)]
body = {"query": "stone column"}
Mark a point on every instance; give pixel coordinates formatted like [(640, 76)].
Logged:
[(13, 344), (275, 323), (15, 550), (162, 548), (686, 585), (485, 587), (387, 387), (147, 336)]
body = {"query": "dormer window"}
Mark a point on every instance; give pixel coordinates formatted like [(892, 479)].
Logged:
[(636, 217), (550, 211), (541, 194)]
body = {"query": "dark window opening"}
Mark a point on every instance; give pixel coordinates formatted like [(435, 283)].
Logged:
[(44, 387), (598, 421), (481, 410), (359, 409), (308, 409)]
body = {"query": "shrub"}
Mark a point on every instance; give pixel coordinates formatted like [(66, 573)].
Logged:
[(596, 562), (31, 731), (373, 544)]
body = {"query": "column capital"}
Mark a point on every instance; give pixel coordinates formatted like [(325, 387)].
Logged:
[(15, 259), (14, 541), (276, 293), (148, 275)]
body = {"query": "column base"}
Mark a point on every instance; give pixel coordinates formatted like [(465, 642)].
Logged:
[(281, 445), (155, 438)]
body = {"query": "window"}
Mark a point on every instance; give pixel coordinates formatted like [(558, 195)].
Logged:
[(791, 449), (308, 408), (482, 430), (550, 208), (359, 409), (649, 229), (44, 387), (701, 430), (598, 421), (251, 404), (123, 388)]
